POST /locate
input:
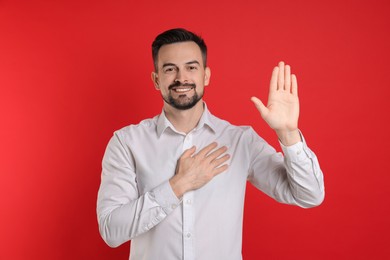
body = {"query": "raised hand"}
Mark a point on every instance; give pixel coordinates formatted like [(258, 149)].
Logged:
[(282, 110), (195, 170)]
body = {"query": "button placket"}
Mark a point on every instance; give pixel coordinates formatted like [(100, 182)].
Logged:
[(188, 213), (188, 225)]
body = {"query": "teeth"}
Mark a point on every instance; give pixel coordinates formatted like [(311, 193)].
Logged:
[(182, 89)]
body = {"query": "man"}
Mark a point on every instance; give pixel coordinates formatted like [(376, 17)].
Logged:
[(175, 184)]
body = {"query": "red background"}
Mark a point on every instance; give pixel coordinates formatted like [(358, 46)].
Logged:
[(72, 72)]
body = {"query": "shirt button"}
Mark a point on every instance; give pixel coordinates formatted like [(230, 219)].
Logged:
[(299, 152), (173, 206), (189, 202), (188, 235)]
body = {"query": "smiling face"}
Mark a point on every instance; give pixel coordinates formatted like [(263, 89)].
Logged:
[(181, 75)]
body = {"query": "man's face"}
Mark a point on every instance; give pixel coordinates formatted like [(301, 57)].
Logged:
[(181, 76)]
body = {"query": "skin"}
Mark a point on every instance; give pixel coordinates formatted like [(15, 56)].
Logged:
[(182, 62), (282, 110)]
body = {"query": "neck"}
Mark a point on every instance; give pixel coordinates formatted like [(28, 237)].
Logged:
[(184, 120)]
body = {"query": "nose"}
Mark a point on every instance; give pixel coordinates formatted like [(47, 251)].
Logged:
[(181, 77)]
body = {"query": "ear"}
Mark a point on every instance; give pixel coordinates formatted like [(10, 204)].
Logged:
[(155, 80), (207, 75)]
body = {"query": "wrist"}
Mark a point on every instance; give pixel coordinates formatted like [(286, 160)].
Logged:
[(177, 186), (289, 137)]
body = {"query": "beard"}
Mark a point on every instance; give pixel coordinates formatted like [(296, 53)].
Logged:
[(183, 102)]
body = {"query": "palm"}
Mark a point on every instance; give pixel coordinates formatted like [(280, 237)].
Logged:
[(282, 110)]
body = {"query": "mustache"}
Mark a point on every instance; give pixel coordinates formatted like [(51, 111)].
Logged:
[(179, 84)]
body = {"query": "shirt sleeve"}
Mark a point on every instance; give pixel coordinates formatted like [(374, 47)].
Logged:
[(122, 212), (295, 178)]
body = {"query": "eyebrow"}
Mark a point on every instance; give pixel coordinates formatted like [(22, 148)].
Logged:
[(193, 62), (187, 63), (168, 64)]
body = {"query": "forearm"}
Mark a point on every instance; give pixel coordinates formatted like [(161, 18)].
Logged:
[(305, 177), (120, 222), (122, 211), (294, 178)]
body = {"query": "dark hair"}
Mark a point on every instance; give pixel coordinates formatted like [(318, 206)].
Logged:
[(177, 35)]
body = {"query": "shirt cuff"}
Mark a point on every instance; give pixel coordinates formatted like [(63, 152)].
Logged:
[(166, 198), (296, 152)]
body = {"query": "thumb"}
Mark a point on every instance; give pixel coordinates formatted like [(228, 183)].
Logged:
[(260, 106), (187, 153)]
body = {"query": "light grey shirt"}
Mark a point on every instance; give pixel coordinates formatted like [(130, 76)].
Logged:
[(136, 201)]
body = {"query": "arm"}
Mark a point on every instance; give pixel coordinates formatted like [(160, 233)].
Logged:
[(295, 178), (304, 173), (122, 212)]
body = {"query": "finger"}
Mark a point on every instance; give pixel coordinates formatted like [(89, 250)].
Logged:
[(294, 85), (260, 106), (217, 162), (287, 78), (189, 152), (220, 169), (215, 154), (274, 80), (281, 76), (207, 149)]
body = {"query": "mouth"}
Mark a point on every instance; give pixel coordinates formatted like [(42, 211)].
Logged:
[(182, 89)]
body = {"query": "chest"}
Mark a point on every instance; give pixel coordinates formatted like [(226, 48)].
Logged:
[(156, 159)]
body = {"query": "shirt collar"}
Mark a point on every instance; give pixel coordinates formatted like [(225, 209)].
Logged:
[(206, 119)]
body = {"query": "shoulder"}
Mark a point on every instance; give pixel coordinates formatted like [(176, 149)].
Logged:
[(243, 133), (143, 128), (222, 125)]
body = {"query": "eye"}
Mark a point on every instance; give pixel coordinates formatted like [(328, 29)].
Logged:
[(169, 69), (192, 68)]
